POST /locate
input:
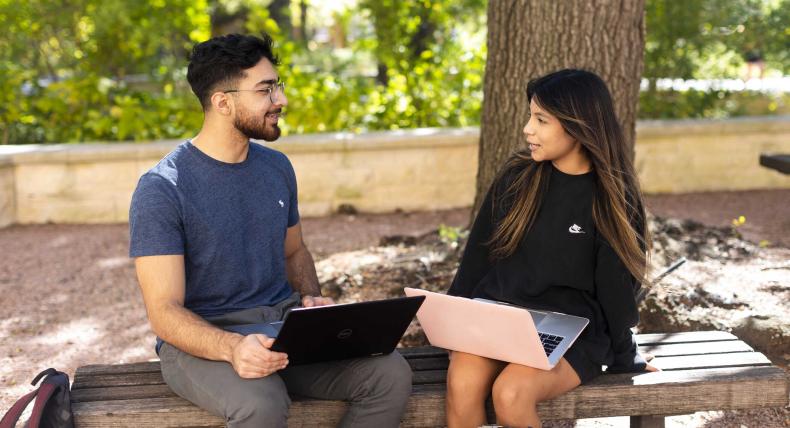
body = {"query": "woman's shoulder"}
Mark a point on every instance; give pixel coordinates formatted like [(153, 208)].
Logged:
[(512, 171)]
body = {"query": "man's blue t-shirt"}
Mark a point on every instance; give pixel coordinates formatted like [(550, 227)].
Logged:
[(229, 221)]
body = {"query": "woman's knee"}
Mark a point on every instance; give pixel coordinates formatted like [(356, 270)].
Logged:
[(510, 394), (465, 381)]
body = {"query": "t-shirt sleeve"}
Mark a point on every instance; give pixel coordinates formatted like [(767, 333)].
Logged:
[(155, 220), (293, 205)]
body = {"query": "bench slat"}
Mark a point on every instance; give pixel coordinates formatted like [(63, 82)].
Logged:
[(117, 369), (112, 379), (433, 370), (111, 393), (131, 368), (696, 348), (721, 389), (735, 359), (622, 379), (683, 337), (434, 362), (417, 357), (422, 352), (431, 351), (645, 341), (680, 363)]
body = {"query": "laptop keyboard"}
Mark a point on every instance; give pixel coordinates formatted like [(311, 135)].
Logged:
[(549, 342)]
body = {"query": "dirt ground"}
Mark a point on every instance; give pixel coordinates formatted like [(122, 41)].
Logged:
[(68, 294)]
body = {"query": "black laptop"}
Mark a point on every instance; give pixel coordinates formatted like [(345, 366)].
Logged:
[(336, 332)]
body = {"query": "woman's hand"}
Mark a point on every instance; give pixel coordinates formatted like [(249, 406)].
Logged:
[(649, 367)]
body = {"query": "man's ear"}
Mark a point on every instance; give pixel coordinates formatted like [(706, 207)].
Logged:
[(222, 103)]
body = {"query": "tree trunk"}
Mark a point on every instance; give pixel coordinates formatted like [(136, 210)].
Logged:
[(527, 39), (278, 11)]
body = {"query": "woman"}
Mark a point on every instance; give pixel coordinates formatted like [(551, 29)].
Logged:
[(562, 228)]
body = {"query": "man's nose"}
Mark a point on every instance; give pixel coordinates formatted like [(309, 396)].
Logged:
[(281, 99)]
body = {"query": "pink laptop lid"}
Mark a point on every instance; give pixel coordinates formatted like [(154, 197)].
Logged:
[(499, 332)]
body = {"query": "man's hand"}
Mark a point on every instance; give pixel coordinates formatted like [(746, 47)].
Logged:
[(253, 359), (310, 301)]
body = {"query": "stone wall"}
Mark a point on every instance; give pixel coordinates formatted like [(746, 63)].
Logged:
[(7, 194), (696, 155), (420, 169), (384, 171)]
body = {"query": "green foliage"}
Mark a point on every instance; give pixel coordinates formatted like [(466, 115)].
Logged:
[(70, 71), (432, 69), (452, 236), (713, 104), (712, 38), (108, 70)]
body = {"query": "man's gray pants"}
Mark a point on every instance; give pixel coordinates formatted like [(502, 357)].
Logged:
[(376, 388)]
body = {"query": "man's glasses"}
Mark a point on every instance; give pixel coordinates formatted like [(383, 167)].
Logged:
[(271, 91)]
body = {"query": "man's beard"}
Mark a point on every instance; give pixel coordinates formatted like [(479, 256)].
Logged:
[(256, 128)]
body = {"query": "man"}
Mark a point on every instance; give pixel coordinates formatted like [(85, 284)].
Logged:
[(216, 238)]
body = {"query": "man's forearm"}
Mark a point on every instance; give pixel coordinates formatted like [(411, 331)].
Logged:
[(300, 269), (192, 334)]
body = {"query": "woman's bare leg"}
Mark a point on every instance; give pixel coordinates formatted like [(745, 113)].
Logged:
[(518, 390), (469, 381)]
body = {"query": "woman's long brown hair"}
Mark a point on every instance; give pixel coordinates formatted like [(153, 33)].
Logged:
[(582, 103)]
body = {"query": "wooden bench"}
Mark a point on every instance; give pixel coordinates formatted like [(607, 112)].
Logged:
[(701, 371), (777, 161)]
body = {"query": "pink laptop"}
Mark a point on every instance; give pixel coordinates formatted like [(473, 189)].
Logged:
[(497, 330)]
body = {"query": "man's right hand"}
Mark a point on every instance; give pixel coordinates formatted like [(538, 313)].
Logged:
[(252, 357)]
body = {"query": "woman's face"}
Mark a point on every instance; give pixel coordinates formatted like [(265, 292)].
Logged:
[(547, 140)]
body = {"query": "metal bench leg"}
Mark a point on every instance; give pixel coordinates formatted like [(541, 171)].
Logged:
[(647, 421)]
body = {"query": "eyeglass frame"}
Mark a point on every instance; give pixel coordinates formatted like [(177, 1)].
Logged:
[(279, 85)]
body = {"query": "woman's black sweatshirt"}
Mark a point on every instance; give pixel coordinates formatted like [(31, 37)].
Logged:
[(562, 264)]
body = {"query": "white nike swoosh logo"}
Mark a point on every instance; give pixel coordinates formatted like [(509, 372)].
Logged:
[(575, 229)]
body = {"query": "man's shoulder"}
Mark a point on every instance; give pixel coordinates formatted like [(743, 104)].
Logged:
[(165, 174), (169, 167), (271, 157), (268, 153)]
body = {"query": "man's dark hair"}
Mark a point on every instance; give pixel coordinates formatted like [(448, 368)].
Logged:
[(222, 60)]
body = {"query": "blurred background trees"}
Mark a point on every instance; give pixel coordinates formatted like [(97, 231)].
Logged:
[(91, 70)]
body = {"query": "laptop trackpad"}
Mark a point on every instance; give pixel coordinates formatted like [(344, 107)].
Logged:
[(537, 316)]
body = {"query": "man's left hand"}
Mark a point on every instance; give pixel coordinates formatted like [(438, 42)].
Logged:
[(310, 301)]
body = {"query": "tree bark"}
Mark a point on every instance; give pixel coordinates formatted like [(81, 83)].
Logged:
[(278, 11), (527, 39)]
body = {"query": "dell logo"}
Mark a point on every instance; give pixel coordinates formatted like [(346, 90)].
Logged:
[(344, 334)]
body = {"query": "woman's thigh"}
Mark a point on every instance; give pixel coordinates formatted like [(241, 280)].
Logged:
[(472, 373), (535, 384)]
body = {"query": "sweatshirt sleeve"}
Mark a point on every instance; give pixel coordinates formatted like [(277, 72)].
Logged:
[(475, 262), (616, 289)]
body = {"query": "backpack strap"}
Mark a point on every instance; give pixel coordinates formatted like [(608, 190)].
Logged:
[(44, 392), (12, 416), (47, 372), (41, 394)]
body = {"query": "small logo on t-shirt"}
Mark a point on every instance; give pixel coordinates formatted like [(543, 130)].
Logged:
[(575, 229), (282, 204)]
